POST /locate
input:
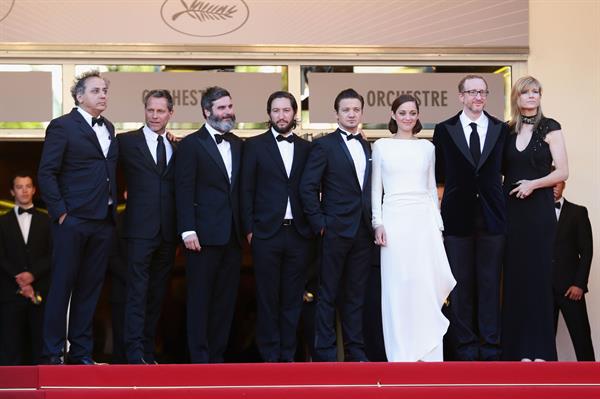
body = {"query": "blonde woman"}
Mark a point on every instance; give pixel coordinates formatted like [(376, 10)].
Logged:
[(535, 160)]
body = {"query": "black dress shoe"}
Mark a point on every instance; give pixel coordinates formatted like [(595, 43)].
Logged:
[(86, 360), (53, 360)]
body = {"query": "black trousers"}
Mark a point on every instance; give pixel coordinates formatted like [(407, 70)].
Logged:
[(280, 266), (345, 265), (213, 276), (21, 332), (474, 313), (80, 256), (576, 319), (149, 263)]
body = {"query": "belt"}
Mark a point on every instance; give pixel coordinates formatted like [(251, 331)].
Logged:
[(287, 222)]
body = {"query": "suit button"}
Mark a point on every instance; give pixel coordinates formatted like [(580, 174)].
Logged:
[(107, 179), (476, 195)]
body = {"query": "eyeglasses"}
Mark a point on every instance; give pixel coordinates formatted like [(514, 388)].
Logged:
[(474, 93)]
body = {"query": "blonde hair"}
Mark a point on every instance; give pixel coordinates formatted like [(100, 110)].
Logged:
[(520, 86)]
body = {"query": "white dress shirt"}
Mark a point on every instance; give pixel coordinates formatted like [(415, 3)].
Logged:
[(152, 143), (562, 203), (286, 149), (482, 126), (358, 156), (24, 220), (224, 148)]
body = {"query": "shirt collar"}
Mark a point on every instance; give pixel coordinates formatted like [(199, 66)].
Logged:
[(466, 121), (151, 135), (276, 133), (347, 132), (561, 201), (212, 130), (86, 115)]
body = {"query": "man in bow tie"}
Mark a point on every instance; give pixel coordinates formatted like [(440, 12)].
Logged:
[(147, 159), (25, 251), (207, 179), (77, 178), (572, 262), (336, 192), (276, 228)]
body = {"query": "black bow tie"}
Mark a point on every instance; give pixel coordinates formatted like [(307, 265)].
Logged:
[(23, 210), (289, 139), (352, 136), (557, 205), (99, 120), (220, 137)]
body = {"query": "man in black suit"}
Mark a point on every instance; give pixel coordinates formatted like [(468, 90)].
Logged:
[(207, 179), (469, 149), (276, 228), (25, 250), (147, 159), (572, 261), (336, 192), (78, 184)]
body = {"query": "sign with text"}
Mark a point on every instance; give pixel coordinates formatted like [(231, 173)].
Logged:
[(437, 94), (249, 92), (26, 96)]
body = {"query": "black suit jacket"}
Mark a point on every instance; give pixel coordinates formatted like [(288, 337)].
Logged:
[(467, 185), (150, 195), (207, 202), (17, 257), (266, 187), (74, 176), (573, 249), (330, 172)]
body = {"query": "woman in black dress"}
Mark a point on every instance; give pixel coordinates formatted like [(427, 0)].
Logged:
[(535, 160)]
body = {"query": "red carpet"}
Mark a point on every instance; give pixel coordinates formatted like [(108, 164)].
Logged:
[(306, 380)]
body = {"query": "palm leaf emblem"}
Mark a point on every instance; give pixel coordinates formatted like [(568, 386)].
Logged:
[(205, 11)]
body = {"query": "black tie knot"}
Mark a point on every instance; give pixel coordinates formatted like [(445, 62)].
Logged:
[(220, 137), (289, 139), (557, 205), (23, 210), (99, 120), (160, 139)]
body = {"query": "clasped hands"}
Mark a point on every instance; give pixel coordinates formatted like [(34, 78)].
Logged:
[(24, 280)]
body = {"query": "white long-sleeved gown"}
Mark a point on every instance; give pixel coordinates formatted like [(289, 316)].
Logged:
[(415, 275)]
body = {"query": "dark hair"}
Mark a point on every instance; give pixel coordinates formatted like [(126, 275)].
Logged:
[(159, 93), (21, 173), (461, 84), (404, 98), (78, 87), (348, 93), (282, 94), (210, 95)]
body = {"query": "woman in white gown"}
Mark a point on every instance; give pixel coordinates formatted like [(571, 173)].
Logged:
[(415, 274)]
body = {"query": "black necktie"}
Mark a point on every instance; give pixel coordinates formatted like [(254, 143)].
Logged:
[(161, 155), (99, 120), (557, 205), (220, 137), (289, 139), (474, 143), (23, 210), (352, 136)]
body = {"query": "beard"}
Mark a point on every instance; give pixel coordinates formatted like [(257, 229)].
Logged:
[(221, 124), (283, 130)]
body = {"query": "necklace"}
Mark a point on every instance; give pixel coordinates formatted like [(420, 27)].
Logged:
[(528, 120)]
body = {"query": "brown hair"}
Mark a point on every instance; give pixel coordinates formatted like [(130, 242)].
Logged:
[(404, 98)]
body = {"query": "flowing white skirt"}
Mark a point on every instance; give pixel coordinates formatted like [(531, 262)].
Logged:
[(415, 279)]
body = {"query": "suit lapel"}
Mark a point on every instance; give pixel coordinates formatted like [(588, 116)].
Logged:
[(367, 150), (211, 148), (458, 136), (564, 215), (14, 225), (236, 156), (296, 159), (273, 150), (340, 137), (491, 138), (87, 130), (144, 150)]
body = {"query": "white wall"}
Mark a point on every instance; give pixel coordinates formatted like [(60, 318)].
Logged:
[(565, 57)]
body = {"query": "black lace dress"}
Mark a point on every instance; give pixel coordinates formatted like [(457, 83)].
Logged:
[(527, 308)]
